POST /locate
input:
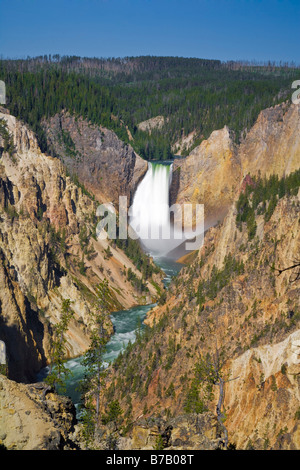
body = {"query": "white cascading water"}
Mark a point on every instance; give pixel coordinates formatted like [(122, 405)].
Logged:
[(150, 215)]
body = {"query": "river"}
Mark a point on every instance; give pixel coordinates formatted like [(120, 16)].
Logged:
[(150, 213), (125, 324)]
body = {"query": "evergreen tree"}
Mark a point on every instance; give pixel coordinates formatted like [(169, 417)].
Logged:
[(193, 95), (58, 371), (95, 373), (114, 413)]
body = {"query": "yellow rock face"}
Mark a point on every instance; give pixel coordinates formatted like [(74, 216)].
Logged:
[(213, 172), (273, 143), (209, 176), (30, 424)]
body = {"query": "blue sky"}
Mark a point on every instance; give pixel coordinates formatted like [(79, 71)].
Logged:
[(215, 29)]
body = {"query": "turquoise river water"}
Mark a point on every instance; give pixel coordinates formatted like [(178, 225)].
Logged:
[(150, 210), (125, 324)]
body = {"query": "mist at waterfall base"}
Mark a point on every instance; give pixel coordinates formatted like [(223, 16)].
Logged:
[(150, 216)]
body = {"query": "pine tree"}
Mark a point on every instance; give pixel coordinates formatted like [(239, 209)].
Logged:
[(93, 362), (58, 371), (114, 413)]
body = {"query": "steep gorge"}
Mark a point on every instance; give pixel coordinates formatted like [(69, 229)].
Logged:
[(227, 311), (228, 314), (49, 252)]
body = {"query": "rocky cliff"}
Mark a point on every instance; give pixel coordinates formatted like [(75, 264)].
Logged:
[(49, 252), (228, 312), (273, 144), (96, 156), (226, 341), (213, 171), (209, 176)]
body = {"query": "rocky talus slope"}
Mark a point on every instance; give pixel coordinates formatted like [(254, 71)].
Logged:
[(49, 252)]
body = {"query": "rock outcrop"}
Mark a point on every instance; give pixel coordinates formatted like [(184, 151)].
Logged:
[(183, 432), (32, 417), (156, 122)]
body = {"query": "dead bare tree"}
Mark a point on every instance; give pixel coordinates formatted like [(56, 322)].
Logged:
[(293, 266), (210, 371), (218, 361)]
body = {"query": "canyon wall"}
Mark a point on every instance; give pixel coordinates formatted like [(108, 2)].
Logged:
[(231, 316), (209, 176), (49, 252), (250, 320), (214, 170), (103, 163), (220, 354)]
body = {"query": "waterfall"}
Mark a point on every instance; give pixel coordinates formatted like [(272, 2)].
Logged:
[(150, 212)]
